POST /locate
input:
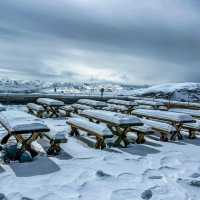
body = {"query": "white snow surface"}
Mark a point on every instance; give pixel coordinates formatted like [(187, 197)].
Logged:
[(21, 121), (164, 170), (81, 106), (90, 126), (50, 102), (165, 115), (114, 107), (113, 117)]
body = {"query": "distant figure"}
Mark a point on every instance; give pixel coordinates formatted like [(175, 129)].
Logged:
[(102, 91), (55, 89)]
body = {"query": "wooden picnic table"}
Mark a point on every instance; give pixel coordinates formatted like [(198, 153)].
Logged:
[(129, 104), (193, 113), (154, 104), (176, 119), (24, 127), (119, 124), (92, 103), (51, 106)]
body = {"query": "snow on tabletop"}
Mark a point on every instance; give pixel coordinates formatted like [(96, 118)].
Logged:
[(67, 108), (81, 106), (165, 115), (90, 102), (115, 107), (151, 103), (50, 102), (90, 126), (21, 121), (194, 113), (35, 107), (144, 128), (113, 117), (159, 125), (122, 102)]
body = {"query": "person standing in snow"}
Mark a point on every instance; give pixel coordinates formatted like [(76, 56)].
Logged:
[(102, 91)]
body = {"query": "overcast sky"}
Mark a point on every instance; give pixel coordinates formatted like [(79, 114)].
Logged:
[(130, 41)]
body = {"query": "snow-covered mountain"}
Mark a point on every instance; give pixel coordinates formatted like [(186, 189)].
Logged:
[(175, 91)]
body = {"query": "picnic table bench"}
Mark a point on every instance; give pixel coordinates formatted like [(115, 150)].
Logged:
[(119, 124), (67, 109), (98, 130), (51, 106), (192, 128), (79, 107), (154, 104), (193, 113), (115, 108), (35, 109), (176, 119), (92, 103), (20, 124), (164, 129), (141, 131), (129, 104)]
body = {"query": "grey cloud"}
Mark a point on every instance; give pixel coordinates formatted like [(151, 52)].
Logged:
[(34, 32)]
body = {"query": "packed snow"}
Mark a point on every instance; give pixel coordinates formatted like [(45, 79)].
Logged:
[(90, 102), (155, 170), (122, 102)]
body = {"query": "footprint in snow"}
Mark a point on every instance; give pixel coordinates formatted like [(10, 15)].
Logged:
[(126, 194), (147, 194), (3, 197)]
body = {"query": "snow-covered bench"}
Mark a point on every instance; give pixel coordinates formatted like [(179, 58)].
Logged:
[(141, 131), (164, 129), (99, 131), (79, 107), (154, 104), (56, 138), (18, 124), (176, 119), (115, 108), (193, 113), (66, 110), (35, 109), (119, 124), (92, 103), (51, 106), (192, 128), (129, 104)]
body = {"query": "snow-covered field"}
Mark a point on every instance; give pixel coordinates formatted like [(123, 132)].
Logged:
[(155, 170)]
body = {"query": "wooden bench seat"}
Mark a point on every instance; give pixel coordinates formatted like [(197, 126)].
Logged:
[(141, 131), (79, 107), (101, 132), (165, 130), (35, 109), (115, 108), (192, 128)]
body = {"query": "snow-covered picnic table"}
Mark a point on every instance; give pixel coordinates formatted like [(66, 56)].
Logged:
[(193, 113), (18, 123), (154, 104), (176, 119), (78, 107), (129, 104), (119, 124), (115, 108), (51, 106), (92, 103)]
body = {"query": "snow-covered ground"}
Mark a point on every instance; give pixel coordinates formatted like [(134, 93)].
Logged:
[(154, 170)]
